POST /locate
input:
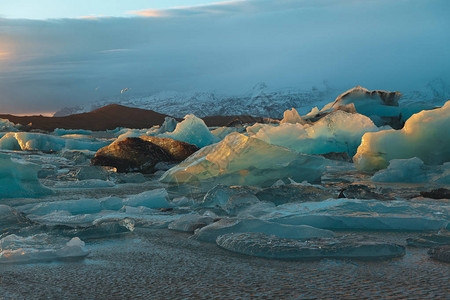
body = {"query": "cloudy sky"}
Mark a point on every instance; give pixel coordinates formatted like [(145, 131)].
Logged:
[(56, 53)]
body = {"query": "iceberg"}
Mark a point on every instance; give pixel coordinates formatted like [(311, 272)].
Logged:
[(242, 160), (291, 116), (337, 132), (8, 126), (169, 125), (413, 170), (45, 142), (425, 135), (39, 248), (11, 218), (193, 131), (354, 214), (157, 198), (267, 246), (191, 222), (61, 131), (224, 226), (18, 179)]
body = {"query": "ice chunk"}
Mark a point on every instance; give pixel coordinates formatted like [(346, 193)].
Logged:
[(10, 218), (222, 132), (293, 193), (157, 198), (84, 184), (224, 226), (6, 125), (291, 116), (19, 179), (191, 222), (72, 207), (60, 131), (219, 195), (169, 125), (337, 132), (46, 142), (242, 160), (193, 131), (183, 202), (353, 214), (262, 245), (413, 170), (425, 135), (38, 248)]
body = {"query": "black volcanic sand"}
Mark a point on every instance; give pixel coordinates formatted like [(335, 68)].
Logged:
[(161, 264)]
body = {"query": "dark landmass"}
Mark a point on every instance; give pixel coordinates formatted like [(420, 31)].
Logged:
[(114, 115)]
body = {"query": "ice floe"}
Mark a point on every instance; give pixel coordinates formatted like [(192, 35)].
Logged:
[(19, 179), (425, 135), (242, 160)]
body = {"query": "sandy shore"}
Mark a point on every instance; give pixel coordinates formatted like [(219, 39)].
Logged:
[(162, 264)]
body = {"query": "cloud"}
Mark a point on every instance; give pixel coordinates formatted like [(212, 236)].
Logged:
[(213, 8), (227, 47)]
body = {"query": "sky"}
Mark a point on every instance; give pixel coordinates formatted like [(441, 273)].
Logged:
[(55, 54)]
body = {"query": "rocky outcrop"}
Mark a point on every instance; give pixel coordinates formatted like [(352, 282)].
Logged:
[(441, 193), (137, 154), (359, 191), (179, 150)]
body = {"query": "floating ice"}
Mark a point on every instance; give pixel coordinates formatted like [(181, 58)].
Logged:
[(157, 198), (7, 126), (425, 135), (219, 195), (242, 160), (191, 222), (336, 132), (291, 116), (169, 125), (38, 248), (19, 179), (413, 170), (10, 219), (222, 132), (224, 226), (60, 131), (46, 142), (263, 245), (353, 214), (84, 184), (193, 131)]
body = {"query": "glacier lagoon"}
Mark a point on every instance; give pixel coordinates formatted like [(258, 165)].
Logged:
[(279, 200)]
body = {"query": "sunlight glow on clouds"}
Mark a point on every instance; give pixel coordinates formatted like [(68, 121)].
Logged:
[(226, 47)]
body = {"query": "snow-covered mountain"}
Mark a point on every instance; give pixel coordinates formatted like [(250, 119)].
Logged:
[(261, 101)]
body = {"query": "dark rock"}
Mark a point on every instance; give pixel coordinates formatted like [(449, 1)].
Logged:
[(359, 191), (441, 193), (179, 150), (339, 156), (440, 253), (131, 154), (293, 193)]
